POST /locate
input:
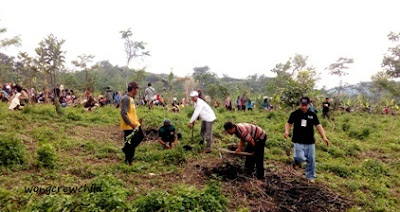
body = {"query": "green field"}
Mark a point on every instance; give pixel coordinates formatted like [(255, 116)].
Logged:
[(360, 169)]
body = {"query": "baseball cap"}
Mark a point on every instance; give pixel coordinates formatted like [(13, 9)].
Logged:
[(305, 101), (194, 93)]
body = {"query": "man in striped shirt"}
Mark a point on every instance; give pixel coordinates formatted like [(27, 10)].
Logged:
[(255, 137)]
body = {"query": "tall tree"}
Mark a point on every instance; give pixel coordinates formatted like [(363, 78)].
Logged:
[(5, 42), (133, 49), (82, 62), (340, 69), (51, 58), (391, 60)]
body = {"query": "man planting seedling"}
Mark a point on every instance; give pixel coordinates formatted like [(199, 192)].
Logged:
[(303, 137), (255, 138)]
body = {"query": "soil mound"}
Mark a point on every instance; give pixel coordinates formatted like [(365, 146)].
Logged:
[(281, 191)]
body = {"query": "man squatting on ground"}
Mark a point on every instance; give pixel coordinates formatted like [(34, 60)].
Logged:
[(167, 135), (255, 138), (303, 137), (130, 123), (205, 112)]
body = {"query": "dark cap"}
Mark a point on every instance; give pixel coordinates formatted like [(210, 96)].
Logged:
[(167, 122), (133, 85), (305, 101)]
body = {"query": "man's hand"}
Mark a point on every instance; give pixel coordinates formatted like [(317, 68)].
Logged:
[(140, 121), (238, 150), (133, 126), (326, 140), (191, 125), (286, 135)]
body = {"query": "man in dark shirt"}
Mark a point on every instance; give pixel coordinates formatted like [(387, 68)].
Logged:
[(167, 135), (325, 108), (303, 137)]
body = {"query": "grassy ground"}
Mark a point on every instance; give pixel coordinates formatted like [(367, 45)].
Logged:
[(40, 148)]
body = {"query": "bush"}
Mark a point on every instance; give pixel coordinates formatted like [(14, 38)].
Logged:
[(339, 169), (374, 168), (184, 199), (46, 156), (12, 151), (345, 127), (360, 135)]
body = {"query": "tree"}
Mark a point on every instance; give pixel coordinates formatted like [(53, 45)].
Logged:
[(203, 76), (294, 79), (51, 60), (133, 49), (82, 62), (5, 42), (391, 60), (339, 69)]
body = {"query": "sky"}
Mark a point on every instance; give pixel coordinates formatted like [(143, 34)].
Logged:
[(236, 38)]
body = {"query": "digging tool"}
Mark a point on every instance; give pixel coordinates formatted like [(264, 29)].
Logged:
[(233, 152), (192, 135)]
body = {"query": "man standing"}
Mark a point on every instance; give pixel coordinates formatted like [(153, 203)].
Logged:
[(130, 123), (150, 95), (255, 138), (303, 137), (205, 112), (325, 108)]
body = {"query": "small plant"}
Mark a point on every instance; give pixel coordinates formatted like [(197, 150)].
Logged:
[(346, 127), (46, 156), (12, 150)]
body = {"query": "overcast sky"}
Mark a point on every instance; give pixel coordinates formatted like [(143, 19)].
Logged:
[(237, 38)]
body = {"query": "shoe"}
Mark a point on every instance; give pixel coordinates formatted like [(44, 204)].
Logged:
[(312, 181), (208, 150)]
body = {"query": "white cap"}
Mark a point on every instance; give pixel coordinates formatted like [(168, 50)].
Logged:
[(194, 93)]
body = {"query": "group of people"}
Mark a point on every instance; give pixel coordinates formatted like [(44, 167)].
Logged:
[(254, 137)]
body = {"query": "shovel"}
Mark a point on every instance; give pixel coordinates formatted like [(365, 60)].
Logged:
[(233, 152)]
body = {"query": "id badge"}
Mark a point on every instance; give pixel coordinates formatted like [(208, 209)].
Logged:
[(304, 123)]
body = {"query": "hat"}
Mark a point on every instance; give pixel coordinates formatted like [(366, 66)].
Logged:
[(167, 122), (133, 85), (305, 101), (194, 93)]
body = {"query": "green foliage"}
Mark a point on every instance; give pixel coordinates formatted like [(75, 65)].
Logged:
[(345, 127), (361, 135), (184, 199), (111, 197), (12, 150), (338, 168), (374, 168), (46, 156)]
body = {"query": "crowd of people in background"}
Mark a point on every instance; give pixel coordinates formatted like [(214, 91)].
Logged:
[(19, 96)]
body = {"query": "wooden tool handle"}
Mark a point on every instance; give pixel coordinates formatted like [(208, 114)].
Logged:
[(233, 152)]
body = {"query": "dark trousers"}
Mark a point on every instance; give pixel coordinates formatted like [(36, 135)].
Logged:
[(325, 114), (129, 148), (257, 159)]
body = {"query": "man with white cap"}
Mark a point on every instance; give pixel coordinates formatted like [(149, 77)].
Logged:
[(205, 112)]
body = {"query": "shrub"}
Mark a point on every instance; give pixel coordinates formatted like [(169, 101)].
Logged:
[(46, 156), (345, 127), (374, 168), (184, 199), (339, 169), (360, 135), (12, 151)]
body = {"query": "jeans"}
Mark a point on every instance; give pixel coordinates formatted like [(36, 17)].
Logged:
[(306, 153), (206, 132)]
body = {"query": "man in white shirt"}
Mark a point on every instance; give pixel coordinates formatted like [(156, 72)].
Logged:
[(205, 112)]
